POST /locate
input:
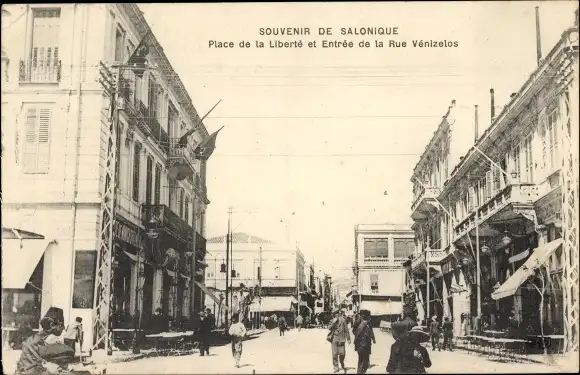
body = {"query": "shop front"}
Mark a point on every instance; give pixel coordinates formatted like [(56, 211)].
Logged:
[(22, 283)]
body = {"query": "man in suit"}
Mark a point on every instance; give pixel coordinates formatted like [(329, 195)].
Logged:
[(340, 335), (364, 338)]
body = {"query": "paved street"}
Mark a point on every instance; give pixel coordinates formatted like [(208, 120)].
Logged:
[(308, 352)]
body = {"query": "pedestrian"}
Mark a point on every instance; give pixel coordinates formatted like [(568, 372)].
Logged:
[(307, 321), (74, 333), (408, 356), (356, 322), (206, 324), (435, 333), (282, 325), (299, 322), (237, 332), (338, 335), (448, 334), (364, 338)]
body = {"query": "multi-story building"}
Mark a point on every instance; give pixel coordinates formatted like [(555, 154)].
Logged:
[(504, 201), (454, 135), (276, 270), (55, 124), (380, 251)]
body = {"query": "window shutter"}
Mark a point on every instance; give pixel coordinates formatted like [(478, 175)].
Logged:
[(149, 180), (488, 184), (187, 209), (136, 171), (181, 201), (157, 184), (472, 203), (44, 140), (30, 141)]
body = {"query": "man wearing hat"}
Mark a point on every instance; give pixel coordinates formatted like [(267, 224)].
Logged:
[(364, 338), (339, 335)]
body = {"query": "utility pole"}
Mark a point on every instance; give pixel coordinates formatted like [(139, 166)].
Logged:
[(103, 298), (228, 263), (427, 252), (260, 289), (478, 275)]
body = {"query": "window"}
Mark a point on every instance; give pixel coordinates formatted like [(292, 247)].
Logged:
[(374, 284), (376, 248), (552, 133), (44, 50), (516, 161), (148, 184), (136, 170), (186, 209), (84, 279), (118, 148), (404, 248), (119, 45), (37, 140), (528, 159), (158, 184), (130, 49), (172, 194), (181, 201), (174, 131), (152, 93)]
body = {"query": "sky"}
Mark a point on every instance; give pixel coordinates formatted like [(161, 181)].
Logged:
[(317, 140)]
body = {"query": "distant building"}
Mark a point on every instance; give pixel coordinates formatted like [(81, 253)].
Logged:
[(380, 250), (280, 267)]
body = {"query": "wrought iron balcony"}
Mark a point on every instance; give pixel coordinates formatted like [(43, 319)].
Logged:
[(509, 202), (435, 256), (425, 203), (181, 159), (160, 216), (39, 71)]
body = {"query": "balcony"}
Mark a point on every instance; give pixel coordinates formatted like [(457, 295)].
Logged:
[(38, 71), (425, 203), (380, 262), (167, 220), (181, 160), (435, 257), (512, 202)]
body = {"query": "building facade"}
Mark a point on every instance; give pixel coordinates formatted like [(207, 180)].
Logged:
[(502, 210), (380, 251), (55, 126), (431, 221), (275, 272)]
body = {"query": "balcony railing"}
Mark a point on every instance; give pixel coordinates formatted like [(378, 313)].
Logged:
[(181, 155), (38, 71), (429, 193), (435, 256), (519, 193), (165, 219)]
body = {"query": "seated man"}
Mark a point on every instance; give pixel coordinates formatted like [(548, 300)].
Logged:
[(31, 360)]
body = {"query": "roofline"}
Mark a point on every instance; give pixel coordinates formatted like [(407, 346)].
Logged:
[(503, 117), (431, 143), (174, 81)]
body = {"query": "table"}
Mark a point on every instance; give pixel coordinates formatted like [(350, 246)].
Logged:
[(176, 338)]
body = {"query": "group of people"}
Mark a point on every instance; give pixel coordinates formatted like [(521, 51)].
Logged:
[(407, 355), (435, 331)]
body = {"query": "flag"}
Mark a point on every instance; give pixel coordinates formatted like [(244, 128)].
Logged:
[(138, 59), (183, 140), (206, 148)]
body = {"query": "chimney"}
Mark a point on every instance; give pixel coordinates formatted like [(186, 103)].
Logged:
[(491, 92), (476, 124), (538, 37)]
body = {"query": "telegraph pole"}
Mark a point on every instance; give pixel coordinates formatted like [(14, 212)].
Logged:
[(228, 262)]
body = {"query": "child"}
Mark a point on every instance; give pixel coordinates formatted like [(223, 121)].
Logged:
[(237, 331), (74, 333)]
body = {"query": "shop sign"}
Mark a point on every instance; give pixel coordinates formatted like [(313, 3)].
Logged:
[(125, 233)]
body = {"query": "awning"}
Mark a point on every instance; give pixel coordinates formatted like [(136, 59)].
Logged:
[(269, 304), (19, 259), (211, 294), (538, 258), (382, 307)]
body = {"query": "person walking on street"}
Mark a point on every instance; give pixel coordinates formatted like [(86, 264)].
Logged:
[(356, 322), (338, 335), (282, 325), (435, 334), (448, 334), (237, 332), (206, 325), (364, 338), (408, 356), (299, 322)]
